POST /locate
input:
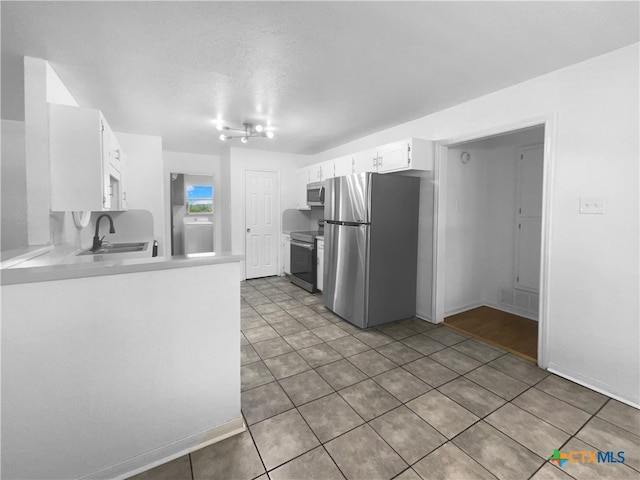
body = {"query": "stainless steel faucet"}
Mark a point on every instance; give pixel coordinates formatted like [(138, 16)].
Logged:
[(97, 241)]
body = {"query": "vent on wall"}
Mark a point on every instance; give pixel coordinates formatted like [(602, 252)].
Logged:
[(520, 300)]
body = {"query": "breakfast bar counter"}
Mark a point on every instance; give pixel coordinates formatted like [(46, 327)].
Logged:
[(145, 351), (57, 265)]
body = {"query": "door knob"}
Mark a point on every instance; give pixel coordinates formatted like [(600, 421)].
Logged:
[(248, 230)]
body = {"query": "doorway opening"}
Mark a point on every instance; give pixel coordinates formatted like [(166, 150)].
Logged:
[(192, 213), (490, 217)]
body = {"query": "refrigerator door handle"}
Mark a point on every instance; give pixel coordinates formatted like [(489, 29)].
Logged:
[(346, 224)]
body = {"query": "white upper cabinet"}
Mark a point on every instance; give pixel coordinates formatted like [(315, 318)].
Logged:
[(365, 161), (315, 173), (344, 166), (86, 161), (393, 157), (410, 154), (319, 172), (302, 179)]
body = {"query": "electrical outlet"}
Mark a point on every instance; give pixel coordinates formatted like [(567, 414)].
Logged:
[(591, 205)]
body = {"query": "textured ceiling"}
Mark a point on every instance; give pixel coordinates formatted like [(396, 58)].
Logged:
[(321, 73)]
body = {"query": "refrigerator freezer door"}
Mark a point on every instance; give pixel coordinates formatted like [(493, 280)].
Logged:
[(347, 198), (345, 274)]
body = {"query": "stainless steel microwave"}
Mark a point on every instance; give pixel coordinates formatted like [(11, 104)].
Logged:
[(315, 194)]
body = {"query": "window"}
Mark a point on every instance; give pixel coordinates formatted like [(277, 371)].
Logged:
[(199, 199)]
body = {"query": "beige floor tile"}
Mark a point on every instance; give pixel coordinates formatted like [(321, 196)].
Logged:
[(281, 438), (350, 449), (535, 434), (502, 456), (236, 457), (410, 436), (450, 463), (552, 410), (442, 413)]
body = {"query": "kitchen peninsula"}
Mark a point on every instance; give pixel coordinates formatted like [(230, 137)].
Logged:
[(111, 367)]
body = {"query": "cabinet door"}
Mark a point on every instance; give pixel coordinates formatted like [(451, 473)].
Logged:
[(528, 254), (302, 179), (315, 173), (106, 165), (530, 168), (320, 265), (286, 254), (344, 166), (124, 205), (393, 157), (327, 170), (529, 218), (365, 161)]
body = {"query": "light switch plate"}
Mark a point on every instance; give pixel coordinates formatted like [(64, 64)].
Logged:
[(591, 205)]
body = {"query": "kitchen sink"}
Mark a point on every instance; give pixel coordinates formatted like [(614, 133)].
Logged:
[(107, 248)]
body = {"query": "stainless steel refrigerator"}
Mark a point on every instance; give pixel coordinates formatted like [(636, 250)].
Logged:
[(370, 247)]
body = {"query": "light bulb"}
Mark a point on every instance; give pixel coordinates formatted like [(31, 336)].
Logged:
[(244, 139), (258, 128), (223, 137), (219, 127), (269, 134)]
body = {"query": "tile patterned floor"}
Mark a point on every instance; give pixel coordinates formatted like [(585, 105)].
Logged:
[(325, 400)]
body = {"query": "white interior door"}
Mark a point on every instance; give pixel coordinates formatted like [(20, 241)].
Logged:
[(261, 247)]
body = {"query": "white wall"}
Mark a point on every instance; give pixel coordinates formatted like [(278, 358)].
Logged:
[(241, 160), (41, 87), (102, 376), (145, 181), (593, 308), (180, 162), (466, 230), (14, 186)]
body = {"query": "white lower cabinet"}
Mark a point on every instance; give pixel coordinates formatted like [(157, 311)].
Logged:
[(320, 265), (286, 254)]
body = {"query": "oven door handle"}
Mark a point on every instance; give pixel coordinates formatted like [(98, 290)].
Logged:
[(307, 246)]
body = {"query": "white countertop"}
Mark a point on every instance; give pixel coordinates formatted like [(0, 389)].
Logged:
[(62, 263)]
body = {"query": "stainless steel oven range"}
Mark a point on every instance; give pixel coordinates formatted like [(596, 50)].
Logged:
[(303, 260)]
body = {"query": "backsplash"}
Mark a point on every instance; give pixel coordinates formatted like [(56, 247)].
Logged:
[(130, 226)]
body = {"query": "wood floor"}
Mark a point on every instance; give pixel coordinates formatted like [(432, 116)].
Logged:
[(510, 332)]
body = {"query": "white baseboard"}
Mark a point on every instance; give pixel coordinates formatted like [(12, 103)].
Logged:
[(590, 384), (165, 454), (515, 311), (497, 306), (464, 308), (424, 316)]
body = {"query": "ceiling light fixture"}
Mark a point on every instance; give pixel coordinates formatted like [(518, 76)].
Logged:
[(248, 131)]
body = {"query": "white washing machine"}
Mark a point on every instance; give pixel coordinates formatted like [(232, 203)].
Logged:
[(197, 235)]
